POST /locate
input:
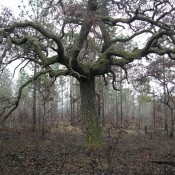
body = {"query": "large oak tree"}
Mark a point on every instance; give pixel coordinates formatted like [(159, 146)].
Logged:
[(85, 37)]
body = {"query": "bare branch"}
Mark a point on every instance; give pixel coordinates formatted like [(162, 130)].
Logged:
[(16, 102)]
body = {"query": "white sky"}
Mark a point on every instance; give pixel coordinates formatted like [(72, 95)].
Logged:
[(12, 4)]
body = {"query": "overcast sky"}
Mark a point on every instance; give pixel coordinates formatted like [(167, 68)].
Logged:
[(12, 4)]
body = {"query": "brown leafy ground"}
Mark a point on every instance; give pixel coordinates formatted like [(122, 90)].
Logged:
[(60, 153)]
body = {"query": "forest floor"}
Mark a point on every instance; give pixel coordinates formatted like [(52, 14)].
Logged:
[(63, 153)]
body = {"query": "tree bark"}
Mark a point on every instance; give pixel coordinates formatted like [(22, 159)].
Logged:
[(93, 134), (121, 98), (154, 113), (34, 100), (72, 102), (172, 123), (164, 92), (117, 109)]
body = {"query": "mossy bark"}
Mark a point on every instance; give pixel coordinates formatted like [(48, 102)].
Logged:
[(93, 134)]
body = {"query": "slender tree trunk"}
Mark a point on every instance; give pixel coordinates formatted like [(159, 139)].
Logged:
[(154, 119), (102, 110), (117, 110), (34, 101), (72, 102), (71, 108), (62, 104), (164, 92), (44, 119), (98, 108), (121, 97), (154, 114), (172, 122), (93, 134), (39, 115), (140, 114)]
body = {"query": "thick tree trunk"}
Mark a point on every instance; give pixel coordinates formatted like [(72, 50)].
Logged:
[(93, 134)]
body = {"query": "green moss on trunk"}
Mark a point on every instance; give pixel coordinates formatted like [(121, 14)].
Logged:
[(93, 134)]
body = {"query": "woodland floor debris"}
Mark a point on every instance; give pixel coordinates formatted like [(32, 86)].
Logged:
[(61, 153)]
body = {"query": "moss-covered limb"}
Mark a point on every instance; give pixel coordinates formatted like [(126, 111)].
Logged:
[(148, 48), (114, 21), (38, 48), (106, 37), (84, 31), (50, 60), (42, 30), (120, 61), (138, 55), (105, 33), (154, 38), (122, 57), (19, 41), (126, 39), (125, 57), (104, 29), (101, 66), (36, 45), (129, 55), (162, 51), (32, 79), (82, 37)]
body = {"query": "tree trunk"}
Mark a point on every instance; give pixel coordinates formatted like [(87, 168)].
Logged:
[(164, 92), (34, 100), (154, 114), (93, 134), (44, 119), (117, 110), (121, 98), (172, 123), (72, 102)]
